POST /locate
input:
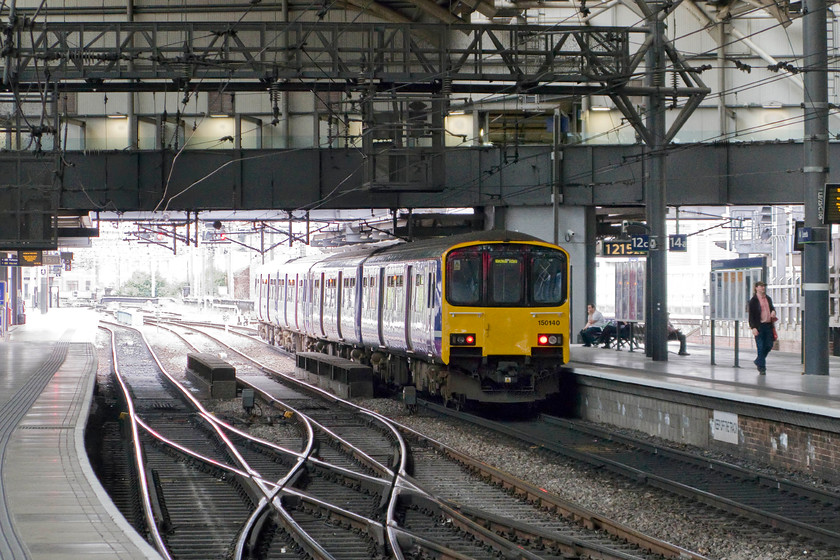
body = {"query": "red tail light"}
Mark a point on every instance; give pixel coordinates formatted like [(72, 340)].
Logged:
[(549, 340), (462, 339)]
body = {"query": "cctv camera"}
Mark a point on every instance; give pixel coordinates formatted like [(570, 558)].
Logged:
[(570, 233)]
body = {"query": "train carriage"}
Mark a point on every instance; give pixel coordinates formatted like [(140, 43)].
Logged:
[(479, 317)]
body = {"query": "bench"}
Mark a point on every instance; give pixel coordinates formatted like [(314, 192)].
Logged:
[(619, 336), (217, 376)]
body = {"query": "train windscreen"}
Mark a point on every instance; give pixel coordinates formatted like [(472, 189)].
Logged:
[(464, 271), (506, 275)]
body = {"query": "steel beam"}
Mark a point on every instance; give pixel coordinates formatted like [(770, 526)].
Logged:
[(137, 56), (611, 176)]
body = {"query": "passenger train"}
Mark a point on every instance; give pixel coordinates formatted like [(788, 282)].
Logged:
[(481, 317)]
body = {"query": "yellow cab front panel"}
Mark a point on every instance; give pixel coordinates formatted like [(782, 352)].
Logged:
[(505, 319)]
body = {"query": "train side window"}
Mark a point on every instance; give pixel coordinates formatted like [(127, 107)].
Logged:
[(419, 295), (431, 292), (399, 293)]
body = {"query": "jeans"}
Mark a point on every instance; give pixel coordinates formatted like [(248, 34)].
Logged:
[(763, 344), (590, 335)]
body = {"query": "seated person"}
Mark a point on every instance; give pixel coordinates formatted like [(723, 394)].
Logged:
[(615, 331), (591, 331), (676, 334), (610, 332)]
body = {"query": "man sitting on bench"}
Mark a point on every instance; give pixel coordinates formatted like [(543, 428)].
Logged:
[(676, 334)]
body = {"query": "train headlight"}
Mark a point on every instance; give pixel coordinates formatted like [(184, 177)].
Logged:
[(549, 340), (462, 339)]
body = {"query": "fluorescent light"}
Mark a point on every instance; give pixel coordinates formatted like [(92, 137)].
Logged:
[(599, 108), (772, 105), (219, 116), (117, 117)]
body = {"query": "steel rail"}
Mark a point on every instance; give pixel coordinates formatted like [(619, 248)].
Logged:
[(356, 452), (473, 523), (145, 497), (269, 489), (549, 501)]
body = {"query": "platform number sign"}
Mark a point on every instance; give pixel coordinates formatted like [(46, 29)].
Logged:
[(678, 242), (640, 243)]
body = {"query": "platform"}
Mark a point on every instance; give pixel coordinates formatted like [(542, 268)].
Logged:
[(52, 506), (783, 418)]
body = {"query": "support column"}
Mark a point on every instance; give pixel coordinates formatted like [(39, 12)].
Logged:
[(591, 238), (556, 176), (815, 261), (15, 292), (657, 320)]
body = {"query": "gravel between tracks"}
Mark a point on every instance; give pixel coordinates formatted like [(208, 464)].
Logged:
[(689, 525)]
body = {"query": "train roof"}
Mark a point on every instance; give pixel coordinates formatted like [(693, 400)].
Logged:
[(415, 250), (434, 248)]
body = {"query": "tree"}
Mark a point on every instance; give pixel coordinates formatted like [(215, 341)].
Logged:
[(140, 285)]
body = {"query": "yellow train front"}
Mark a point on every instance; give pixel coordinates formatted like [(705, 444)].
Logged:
[(504, 319)]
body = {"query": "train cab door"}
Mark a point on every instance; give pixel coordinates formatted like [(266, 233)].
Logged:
[(422, 301)]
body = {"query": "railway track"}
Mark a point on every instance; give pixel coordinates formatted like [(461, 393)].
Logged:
[(383, 489), (800, 510), (179, 460)]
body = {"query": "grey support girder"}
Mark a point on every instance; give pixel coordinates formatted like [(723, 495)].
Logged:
[(132, 56), (703, 174)]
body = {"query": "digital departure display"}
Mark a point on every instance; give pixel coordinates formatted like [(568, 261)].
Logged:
[(831, 204)]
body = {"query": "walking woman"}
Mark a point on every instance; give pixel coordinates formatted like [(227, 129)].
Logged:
[(762, 316)]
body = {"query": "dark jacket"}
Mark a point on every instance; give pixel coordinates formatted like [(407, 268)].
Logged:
[(755, 311)]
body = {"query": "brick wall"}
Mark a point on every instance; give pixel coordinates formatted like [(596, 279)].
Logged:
[(781, 444)]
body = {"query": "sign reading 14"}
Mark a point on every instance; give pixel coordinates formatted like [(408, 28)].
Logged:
[(678, 242)]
